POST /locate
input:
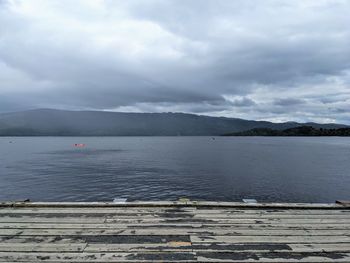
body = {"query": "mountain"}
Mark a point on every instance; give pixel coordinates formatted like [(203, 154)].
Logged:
[(297, 131), (49, 122)]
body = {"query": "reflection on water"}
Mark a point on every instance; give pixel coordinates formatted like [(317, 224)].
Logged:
[(166, 168)]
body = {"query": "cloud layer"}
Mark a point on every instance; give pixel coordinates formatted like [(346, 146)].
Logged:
[(267, 60)]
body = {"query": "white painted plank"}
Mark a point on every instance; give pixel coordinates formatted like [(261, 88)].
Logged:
[(47, 247), (170, 231)]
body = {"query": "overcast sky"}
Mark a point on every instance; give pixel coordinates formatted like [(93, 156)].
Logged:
[(265, 60)]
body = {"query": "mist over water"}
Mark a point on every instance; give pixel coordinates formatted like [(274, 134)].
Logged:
[(274, 169)]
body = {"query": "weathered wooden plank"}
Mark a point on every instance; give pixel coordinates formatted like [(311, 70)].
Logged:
[(174, 232), (41, 240), (270, 239), (194, 227), (53, 219), (171, 231), (65, 225), (325, 247), (135, 210), (97, 210), (272, 257), (170, 246), (231, 220), (190, 220), (101, 239), (274, 216), (175, 246), (98, 257), (220, 247), (140, 239), (269, 211), (46, 247), (176, 257), (343, 202)]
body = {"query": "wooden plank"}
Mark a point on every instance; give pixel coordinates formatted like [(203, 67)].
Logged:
[(258, 226), (139, 220), (325, 247), (131, 210), (38, 240), (171, 231), (194, 227), (175, 246), (270, 211), (230, 220), (180, 210), (47, 247), (66, 225), (174, 232), (272, 257), (166, 247), (221, 247), (273, 216), (176, 257), (98, 239), (270, 239), (343, 202), (98, 257), (129, 239), (53, 219)]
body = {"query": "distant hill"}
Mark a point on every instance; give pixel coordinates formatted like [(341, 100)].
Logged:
[(297, 131), (48, 122)]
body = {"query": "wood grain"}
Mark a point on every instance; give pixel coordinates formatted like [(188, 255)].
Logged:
[(174, 232)]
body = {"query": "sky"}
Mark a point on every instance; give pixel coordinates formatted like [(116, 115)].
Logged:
[(275, 60)]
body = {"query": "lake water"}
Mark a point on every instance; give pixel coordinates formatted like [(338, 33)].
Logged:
[(275, 169)]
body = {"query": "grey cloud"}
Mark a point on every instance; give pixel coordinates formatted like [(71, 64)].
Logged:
[(186, 56), (289, 102), (242, 102), (340, 110), (335, 98)]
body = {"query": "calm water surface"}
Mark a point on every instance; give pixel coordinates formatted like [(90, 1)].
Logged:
[(166, 168)]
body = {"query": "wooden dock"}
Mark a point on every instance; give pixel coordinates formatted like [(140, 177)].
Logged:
[(174, 232)]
